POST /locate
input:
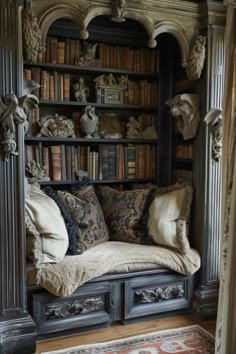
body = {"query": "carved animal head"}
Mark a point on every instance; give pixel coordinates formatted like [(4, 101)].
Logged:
[(185, 108)]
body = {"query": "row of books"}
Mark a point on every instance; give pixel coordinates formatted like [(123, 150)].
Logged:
[(142, 93), (56, 86), (183, 176), (62, 162), (68, 51), (117, 57), (184, 151), (53, 85)]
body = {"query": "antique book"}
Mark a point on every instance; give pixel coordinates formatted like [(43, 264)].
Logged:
[(56, 162)]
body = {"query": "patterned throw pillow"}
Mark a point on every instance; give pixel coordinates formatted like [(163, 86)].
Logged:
[(169, 215), (86, 211), (123, 211)]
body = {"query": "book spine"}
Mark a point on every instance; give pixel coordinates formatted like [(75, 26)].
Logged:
[(63, 162), (60, 52), (68, 163), (56, 162)]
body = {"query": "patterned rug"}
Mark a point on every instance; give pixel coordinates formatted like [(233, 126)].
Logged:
[(185, 340)]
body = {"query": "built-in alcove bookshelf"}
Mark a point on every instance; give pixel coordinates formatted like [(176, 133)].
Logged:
[(151, 79)]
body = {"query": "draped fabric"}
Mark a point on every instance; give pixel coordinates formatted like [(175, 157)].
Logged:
[(226, 318)]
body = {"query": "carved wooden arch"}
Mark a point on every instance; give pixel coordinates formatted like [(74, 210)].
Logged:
[(102, 11), (179, 33), (60, 11)]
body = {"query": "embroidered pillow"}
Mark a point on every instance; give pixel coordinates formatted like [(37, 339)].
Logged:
[(168, 217), (87, 213), (47, 238), (123, 211)]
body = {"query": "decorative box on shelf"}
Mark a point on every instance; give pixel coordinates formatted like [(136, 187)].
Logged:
[(110, 89)]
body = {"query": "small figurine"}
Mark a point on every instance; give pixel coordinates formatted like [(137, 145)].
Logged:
[(100, 81), (88, 56), (81, 175), (35, 172), (111, 81), (133, 128), (81, 90), (89, 123), (118, 10), (123, 81)]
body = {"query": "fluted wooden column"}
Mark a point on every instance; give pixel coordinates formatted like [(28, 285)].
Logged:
[(207, 180), (17, 330)]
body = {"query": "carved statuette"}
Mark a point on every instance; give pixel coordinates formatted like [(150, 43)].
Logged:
[(89, 123), (118, 10), (185, 108), (35, 172), (196, 59), (215, 121), (14, 111), (88, 55), (81, 90), (132, 128), (56, 125), (159, 294), (32, 39)]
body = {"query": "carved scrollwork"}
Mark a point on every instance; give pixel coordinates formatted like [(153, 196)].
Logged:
[(215, 122), (118, 10), (73, 308), (230, 3), (32, 37), (195, 61), (56, 125), (14, 111), (159, 294)]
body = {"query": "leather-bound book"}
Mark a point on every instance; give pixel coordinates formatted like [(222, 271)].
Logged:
[(56, 162)]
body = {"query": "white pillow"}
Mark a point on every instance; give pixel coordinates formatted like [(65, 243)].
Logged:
[(45, 215), (168, 218)]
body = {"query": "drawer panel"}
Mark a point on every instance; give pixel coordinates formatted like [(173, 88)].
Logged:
[(156, 294), (91, 304)]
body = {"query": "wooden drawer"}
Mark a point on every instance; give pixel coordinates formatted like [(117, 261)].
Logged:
[(91, 304), (156, 294)]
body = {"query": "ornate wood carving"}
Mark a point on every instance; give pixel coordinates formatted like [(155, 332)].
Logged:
[(185, 108), (73, 308), (159, 294), (230, 3), (14, 111), (118, 10), (195, 61), (35, 172), (32, 38), (214, 120), (56, 125)]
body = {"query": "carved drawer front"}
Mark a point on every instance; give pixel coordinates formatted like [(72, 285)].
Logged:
[(91, 304), (155, 294)]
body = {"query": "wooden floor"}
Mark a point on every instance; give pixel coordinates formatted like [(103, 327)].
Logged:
[(122, 331)]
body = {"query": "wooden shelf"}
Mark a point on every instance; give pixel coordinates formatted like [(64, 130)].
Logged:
[(187, 161), (97, 105), (104, 181), (92, 70), (53, 140)]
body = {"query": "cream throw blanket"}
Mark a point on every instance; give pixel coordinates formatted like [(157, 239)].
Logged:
[(62, 279)]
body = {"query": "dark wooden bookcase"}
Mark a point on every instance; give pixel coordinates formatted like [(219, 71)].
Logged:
[(156, 153)]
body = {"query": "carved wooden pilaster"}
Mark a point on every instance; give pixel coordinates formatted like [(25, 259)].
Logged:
[(208, 180), (17, 330)]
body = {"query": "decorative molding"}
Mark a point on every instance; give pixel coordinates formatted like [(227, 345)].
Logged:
[(74, 308), (159, 294), (32, 38), (230, 3), (14, 111), (118, 10), (195, 61), (185, 108), (215, 121), (178, 32), (56, 125)]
